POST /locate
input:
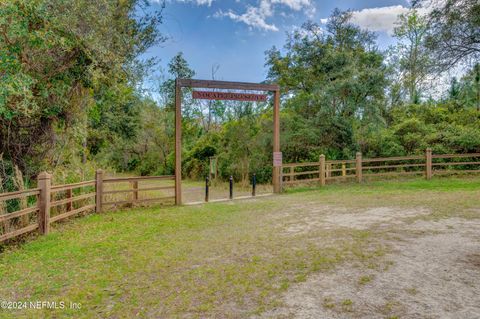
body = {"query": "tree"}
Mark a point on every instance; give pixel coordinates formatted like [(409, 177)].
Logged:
[(415, 64), (454, 34), (472, 86), (334, 82), (178, 68), (57, 60), (153, 149), (466, 92)]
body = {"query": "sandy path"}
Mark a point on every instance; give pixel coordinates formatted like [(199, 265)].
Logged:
[(192, 194), (433, 270)]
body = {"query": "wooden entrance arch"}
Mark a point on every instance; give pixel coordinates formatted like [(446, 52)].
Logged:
[(206, 84)]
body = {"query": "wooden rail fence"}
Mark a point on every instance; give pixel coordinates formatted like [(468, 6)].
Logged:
[(360, 168), (49, 204)]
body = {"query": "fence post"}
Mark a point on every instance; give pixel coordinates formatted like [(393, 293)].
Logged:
[(44, 183), (254, 183), (281, 179), (358, 167), (292, 177), (99, 191), (206, 189), (69, 196), (322, 170), (428, 164), (231, 187), (135, 191), (344, 169)]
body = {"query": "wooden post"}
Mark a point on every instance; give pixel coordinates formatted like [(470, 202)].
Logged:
[(344, 169), (358, 167), (281, 179), (99, 191), (135, 191), (69, 196), (322, 170), (207, 182), (44, 183), (292, 177), (329, 170), (276, 139), (178, 143), (224, 85), (428, 164)]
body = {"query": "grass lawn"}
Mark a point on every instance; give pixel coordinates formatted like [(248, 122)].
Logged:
[(226, 260)]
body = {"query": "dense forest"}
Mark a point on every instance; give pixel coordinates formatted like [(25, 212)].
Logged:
[(72, 97)]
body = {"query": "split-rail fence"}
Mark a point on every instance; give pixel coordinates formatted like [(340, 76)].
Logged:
[(39, 207), (49, 203), (358, 169)]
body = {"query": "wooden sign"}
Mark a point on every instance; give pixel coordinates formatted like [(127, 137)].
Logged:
[(209, 95), (277, 159)]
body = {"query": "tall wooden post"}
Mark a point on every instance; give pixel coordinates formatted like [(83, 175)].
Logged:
[(322, 170), (428, 163), (358, 167), (344, 169), (178, 143), (44, 183), (98, 191), (276, 139)]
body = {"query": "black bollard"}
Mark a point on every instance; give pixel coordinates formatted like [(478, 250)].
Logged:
[(254, 183), (206, 188), (231, 187)]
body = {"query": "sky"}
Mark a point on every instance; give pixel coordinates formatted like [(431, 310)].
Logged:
[(233, 35)]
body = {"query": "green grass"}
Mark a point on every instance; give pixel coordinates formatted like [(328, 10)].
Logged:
[(445, 196), (160, 263), (442, 184), (347, 305), (365, 280), (230, 259)]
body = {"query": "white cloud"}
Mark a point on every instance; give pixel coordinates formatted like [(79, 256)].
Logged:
[(381, 19), (197, 2), (298, 5), (201, 2), (256, 16)]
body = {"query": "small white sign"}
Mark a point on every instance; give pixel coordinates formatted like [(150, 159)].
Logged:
[(277, 159)]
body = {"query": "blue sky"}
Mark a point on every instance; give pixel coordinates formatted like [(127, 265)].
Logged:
[(234, 34)]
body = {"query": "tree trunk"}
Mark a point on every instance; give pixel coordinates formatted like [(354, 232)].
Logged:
[(24, 220), (3, 210)]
